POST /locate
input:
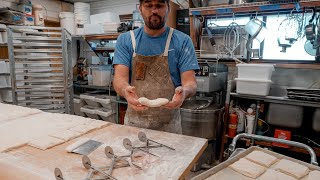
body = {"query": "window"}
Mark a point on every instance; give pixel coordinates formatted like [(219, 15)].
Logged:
[(271, 49)]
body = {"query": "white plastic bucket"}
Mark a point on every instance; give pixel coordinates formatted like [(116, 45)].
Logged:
[(38, 15), (81, 16), (67, 21)]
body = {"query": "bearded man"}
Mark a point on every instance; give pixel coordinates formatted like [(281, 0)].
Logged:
[(155, 61)]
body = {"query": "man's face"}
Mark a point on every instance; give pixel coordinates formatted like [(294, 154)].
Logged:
[(154, 13)]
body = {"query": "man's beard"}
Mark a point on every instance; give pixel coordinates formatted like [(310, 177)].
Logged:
[(155, 25)]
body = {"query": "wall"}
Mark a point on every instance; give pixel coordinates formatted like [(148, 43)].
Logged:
[(126, 7), (53, 7), (118, 7)]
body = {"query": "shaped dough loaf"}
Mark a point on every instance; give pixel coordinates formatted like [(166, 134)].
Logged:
[(261, 158), (292, 168), (153, 103), (271, 174), (314, 175), (248, 168)]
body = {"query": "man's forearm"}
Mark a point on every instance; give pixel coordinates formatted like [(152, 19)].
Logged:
[(119, 85), (190, 90)]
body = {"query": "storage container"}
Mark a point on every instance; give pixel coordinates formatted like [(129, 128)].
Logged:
[(253, 87), (202, 123), (89, 98), (255, 71), (316, 120), (78, 103), (107, 17), (106, 114), (67, 21), (90, 112), (38, 15), (285, 115), (102, 76)]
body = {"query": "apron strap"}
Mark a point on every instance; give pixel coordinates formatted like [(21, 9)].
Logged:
[(166, 50), (133, 39)]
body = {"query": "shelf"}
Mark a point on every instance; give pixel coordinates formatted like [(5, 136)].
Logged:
[(260, 7), (93, 87), (5, 88), (7, 60), (4, 74), (112, 36), (279, 100)]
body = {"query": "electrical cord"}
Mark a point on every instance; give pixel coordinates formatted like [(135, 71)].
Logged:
[(309, 140)]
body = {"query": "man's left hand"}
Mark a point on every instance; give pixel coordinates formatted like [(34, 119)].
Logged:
[(177, 99)]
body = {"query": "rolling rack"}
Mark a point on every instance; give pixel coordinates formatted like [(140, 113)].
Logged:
[(41, 68)]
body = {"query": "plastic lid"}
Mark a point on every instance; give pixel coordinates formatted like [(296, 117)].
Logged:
[(256, 65), (86, 96), (104, 112), (253, 80), (102, 99), (88, 109)]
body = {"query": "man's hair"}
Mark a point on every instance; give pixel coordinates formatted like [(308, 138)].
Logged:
[(141, 1)]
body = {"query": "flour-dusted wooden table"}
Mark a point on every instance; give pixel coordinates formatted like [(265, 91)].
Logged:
[(26, 162)]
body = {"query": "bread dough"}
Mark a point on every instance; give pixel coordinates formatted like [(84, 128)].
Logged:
[(314, 175), (261, 158), (65, 135), (153, 103), (247, 168), (45, 142), (9, 112), (82, 128), (97, 124), (292, 168), (271, 174)]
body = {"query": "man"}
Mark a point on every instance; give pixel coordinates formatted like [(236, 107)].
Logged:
[(159, 62)]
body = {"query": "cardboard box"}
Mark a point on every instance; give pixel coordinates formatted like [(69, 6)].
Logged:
[(26, 9), (28, 20)]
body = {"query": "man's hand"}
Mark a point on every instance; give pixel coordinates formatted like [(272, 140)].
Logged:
[(177, 99), (132, 98)]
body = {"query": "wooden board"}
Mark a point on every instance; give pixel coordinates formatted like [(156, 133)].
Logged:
[(170, 164), (228, 173)]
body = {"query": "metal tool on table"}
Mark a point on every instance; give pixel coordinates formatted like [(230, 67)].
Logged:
[(109, 153), (84, 146), (143, 138), (87, 164), (128, 145)]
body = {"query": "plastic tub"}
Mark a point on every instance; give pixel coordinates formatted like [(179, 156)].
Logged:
[(67, 21), (106, 114), (253, 87), (78, 103), (90, 112), (285, 115), (102, 76), (256, 71), (90, 99), (316, 120), (104, 101)]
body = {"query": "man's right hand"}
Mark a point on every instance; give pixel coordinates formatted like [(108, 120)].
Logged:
[(132, 98)]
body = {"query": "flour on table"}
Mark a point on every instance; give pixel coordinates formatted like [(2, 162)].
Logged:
[(45, 142), (65, 135), (292, 168)]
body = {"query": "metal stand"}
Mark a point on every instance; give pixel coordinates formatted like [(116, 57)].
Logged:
[(41, 68)]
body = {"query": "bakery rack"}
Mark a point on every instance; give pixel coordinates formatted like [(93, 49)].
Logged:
[(41, 67)]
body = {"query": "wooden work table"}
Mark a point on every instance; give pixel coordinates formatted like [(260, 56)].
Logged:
[(27, 161)]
